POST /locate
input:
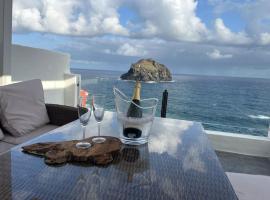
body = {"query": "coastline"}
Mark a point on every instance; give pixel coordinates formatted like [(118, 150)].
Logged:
[(150, 82)]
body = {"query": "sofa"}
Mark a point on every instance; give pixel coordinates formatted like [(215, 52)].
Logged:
[(55, 115)]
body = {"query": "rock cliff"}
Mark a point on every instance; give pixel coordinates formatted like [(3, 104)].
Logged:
[(147, 70)]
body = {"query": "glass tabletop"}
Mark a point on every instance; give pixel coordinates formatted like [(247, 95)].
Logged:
[(177, 163)]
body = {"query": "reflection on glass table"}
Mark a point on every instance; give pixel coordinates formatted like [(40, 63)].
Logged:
[(177, 163)]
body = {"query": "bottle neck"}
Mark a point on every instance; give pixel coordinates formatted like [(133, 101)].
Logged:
[(137, 91)]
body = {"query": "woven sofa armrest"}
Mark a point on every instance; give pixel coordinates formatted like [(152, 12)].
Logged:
[(60, 114)]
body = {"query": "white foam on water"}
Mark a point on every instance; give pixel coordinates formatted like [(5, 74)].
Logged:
[(172, 81), (264, 117), (150, 82)]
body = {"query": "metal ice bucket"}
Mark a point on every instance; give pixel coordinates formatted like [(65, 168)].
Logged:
[(144, 124)]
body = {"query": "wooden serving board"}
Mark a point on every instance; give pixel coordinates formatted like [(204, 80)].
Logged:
[(66, 151)]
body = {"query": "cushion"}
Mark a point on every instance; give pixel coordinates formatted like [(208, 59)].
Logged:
[(249, 186), (1, 134), (4, 147), (37, 132), (22, 107)]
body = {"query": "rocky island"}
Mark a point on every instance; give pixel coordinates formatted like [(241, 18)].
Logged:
[(147, 70)]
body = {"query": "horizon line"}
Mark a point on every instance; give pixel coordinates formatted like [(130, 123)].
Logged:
[(185, 74)]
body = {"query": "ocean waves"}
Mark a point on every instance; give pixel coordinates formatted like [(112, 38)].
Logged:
[(225, 104), (263, 117)]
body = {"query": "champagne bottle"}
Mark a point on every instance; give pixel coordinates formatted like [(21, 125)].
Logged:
[(135, 112)]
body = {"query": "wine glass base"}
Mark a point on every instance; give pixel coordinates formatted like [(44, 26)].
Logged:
[(83, 145), (99, 139)]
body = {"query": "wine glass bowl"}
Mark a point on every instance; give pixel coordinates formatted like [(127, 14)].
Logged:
[(99, 114), (84, 115), (98, 110), (84, 112)]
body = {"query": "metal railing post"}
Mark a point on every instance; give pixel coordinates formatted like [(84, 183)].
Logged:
[(269, 130), (164, 104)]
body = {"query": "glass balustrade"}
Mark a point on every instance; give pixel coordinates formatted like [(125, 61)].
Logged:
[(235, 105)]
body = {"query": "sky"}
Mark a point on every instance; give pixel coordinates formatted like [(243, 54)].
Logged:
[(205, 37)]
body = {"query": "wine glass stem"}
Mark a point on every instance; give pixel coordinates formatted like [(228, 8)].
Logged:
[(83, 132), (99, 129)]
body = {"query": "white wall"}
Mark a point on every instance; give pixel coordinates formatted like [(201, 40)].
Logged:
[(72, 89), (51, 67), (240, 143)]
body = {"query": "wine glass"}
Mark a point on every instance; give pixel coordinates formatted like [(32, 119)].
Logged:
[(98, 109), (84, 112)]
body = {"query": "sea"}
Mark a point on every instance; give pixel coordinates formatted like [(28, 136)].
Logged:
[(229, 104)]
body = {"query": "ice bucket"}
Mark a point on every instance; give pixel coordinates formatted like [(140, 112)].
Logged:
[(139, 128)]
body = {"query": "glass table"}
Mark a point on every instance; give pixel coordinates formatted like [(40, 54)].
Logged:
[(177, 163)]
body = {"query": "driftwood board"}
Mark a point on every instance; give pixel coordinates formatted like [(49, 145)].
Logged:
[(66, 151)]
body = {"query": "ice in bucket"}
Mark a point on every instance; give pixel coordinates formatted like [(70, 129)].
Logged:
[(138, 128)]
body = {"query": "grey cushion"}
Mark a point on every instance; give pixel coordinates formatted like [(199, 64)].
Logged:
[(249, 187), (33, 134), (1, 134), (5, 146), (22, 107)]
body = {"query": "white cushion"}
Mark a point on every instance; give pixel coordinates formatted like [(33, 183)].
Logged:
[(1, 134), (22, 107)]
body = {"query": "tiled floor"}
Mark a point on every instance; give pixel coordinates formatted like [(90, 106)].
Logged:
[(244, 164)]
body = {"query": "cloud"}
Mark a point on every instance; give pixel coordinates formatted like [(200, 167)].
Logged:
[(168, 19), (246, 62), (225, 35), (265, 38), (69, 17), (215, 55), (171, 19), (99, 35), (254, 14), (129, 50), (29, 19)]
